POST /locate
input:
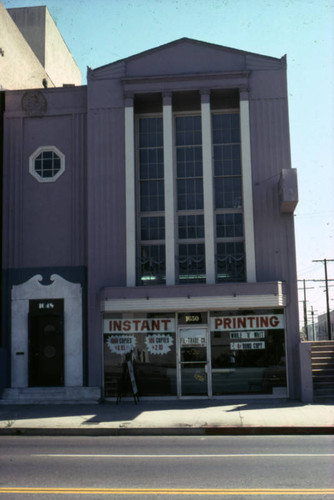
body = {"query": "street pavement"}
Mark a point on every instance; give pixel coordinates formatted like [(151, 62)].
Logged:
[(183, 417)]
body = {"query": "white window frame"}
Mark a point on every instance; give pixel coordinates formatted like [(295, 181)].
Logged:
[(177, 212), (36, 153)]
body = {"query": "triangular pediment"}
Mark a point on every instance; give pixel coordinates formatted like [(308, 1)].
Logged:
[(185, 56)]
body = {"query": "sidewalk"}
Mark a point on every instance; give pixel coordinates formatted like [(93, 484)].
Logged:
[(169, 418)]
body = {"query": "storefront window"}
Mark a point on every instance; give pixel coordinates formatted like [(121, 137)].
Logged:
[(248, 352), (149, 340)]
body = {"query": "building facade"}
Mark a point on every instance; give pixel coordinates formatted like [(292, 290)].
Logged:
[(149, 218)]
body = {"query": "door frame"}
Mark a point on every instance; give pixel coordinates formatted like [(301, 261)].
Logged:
[(179, 362), (73, 326)]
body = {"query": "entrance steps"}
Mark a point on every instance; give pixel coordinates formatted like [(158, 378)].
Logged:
[(51, 395), (323, 369)]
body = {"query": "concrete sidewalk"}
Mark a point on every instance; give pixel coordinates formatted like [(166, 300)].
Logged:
[(169, 418)]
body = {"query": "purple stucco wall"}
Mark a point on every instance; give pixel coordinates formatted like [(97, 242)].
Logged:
[(80, 219), (44, 223)]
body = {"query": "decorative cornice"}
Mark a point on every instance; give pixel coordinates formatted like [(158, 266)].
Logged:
[(186, 77)]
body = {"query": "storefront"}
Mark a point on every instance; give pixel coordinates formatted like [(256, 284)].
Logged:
[(200, 354)]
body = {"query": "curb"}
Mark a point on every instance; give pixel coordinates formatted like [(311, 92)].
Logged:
[(165, 431)]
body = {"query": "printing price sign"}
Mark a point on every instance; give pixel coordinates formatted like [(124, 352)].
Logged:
[(247, 346), (159, 344), (255, 334), (121, 344)]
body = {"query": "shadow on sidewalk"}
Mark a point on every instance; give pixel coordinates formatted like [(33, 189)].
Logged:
[(127, 411)]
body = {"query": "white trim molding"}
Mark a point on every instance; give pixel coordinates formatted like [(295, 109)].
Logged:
[(184, 304), (32, 163)]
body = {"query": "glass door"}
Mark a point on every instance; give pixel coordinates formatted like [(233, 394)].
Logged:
[(193, 361)]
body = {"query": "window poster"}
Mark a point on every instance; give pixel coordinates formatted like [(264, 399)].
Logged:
[(159, 344), (121, 344)]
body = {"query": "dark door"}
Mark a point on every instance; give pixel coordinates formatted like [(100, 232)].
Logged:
[(46, 350)]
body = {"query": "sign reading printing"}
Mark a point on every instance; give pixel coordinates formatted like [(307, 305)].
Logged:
[(247, 346), (159, 344), (121, 344), (152, 325), (254, 322)]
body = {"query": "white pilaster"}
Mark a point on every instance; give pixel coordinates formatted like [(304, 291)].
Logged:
[(169, 189), (130, 193), (208, 188), (247, 187)]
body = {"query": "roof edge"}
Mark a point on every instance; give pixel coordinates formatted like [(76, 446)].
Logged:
[(191, 40)]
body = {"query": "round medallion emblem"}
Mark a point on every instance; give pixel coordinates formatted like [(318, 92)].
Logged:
[(34, 103)]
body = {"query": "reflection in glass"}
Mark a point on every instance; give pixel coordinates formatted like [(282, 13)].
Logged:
[(193, 362), (154, 362), (248, 366)]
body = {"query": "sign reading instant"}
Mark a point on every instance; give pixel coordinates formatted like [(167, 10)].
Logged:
[(152, 325), (254, 322)]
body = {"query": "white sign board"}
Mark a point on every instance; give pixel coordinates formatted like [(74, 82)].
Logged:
[(152, 325), (254, 322), (256, 334), (247, 346)]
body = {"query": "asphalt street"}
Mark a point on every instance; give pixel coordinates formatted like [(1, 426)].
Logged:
[(161, 467)]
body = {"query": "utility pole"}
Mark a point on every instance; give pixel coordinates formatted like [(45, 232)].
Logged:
[(305, 311), (305, 306), (329, 332), (313, 325)]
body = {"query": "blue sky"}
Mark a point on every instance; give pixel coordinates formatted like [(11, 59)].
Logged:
[(102, 31)]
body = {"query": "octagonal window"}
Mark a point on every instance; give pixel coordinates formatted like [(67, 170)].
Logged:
[(46, 164)]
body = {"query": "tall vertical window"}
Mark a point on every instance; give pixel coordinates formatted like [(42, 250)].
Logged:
[(230, 251), (189, 182), (151, 261)]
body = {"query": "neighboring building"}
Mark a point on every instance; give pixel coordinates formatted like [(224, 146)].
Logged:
[(33, 53), (149, 216)]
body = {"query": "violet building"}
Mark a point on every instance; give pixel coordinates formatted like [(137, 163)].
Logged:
[(149, 216)]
